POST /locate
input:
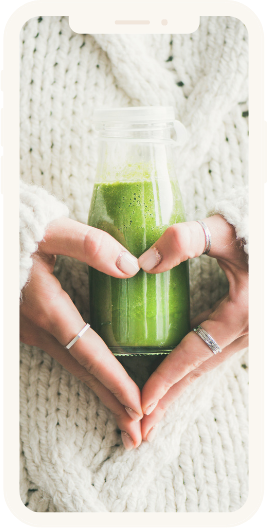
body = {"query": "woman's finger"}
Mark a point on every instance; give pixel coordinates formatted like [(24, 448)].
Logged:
[(185, 241), (50, 307), (225, 325), (35, 336), (149, 422), (88, 244)]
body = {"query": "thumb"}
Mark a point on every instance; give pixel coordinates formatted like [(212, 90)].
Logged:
[(185, 241), (93, 246)]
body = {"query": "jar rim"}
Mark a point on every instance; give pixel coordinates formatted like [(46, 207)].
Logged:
[(134, 114)]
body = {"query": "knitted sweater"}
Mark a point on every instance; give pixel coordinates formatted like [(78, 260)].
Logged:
[(72, 458)]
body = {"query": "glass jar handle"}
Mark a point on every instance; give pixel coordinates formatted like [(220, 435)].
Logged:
[(182, 134)]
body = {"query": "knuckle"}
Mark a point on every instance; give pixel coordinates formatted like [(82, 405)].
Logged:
[(93, 242), (175, 234), (121, 416), (178, 234), (88, 380), (190, 357), (194, 375), (91, 365), (196, 363), (118, 392), (164, 381), (160, 411), (94, 366), (87, 363)]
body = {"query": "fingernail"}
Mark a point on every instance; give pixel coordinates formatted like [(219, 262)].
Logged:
[(135, 416), (150, 408), (127, 441), (127, 263), (150, 259), (150, 436)]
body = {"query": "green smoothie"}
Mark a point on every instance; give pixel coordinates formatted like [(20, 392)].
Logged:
[(146, 314)]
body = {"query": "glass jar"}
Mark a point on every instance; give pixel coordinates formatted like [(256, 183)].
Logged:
[(136, 196)]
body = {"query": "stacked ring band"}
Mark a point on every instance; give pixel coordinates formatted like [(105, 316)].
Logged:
[(207, 236), (84, 329), (208, 339)]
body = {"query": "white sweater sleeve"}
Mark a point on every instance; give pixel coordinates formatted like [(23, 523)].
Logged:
[(37, 209), (234, 208)]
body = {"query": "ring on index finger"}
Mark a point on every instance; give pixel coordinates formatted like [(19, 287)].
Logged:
[(207, 237), (77, 336), (208, 339)]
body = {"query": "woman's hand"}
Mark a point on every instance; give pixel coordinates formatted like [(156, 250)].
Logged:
[(50, 320), (227, 324)]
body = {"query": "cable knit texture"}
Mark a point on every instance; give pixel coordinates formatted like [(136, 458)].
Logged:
[(37, 209), (72, 458), (234, 208)]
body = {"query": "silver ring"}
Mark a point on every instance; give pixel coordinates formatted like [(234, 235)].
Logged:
[(208, 339), (207, 237), (77, 336)]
